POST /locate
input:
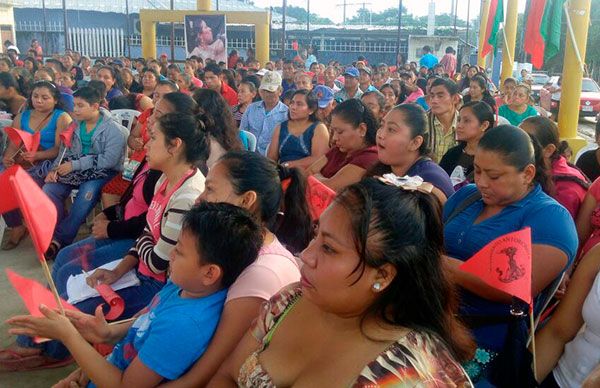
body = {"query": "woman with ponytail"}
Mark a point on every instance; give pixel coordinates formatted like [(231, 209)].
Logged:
[(223, 135), (249, 180), (570, 184), (373, 308), (507, 196)]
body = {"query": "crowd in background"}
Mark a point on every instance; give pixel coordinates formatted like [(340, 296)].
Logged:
[(207, 199)]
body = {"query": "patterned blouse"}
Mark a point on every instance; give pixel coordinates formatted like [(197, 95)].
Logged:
[(418, 359)]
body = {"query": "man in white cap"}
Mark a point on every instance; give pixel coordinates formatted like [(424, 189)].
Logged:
[(261, 117)]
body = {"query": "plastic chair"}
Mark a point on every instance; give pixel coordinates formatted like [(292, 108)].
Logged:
[(251, 140), (3, 138), (125, 117)]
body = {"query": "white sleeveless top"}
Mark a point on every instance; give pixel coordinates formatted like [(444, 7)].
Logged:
[(582, 354)]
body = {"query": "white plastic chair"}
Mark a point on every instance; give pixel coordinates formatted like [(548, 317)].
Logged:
[(125, 117), (251, 140)]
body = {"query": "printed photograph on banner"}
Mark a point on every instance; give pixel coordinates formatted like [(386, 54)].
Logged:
[(206, 37)]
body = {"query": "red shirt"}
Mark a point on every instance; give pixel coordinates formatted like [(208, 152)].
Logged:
[(229, 94), (336, 160)]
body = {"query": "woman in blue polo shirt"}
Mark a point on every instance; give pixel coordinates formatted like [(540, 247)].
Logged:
[(507, 196)]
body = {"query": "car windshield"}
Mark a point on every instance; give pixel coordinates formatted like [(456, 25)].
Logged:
[(540, 79), (588, 85)]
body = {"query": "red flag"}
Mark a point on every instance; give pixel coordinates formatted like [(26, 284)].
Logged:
[(67, 134), (38, 210), (534, 42), (318, 195), (33, 294), (116, 303), (494, 18), (505, 264), (30, 142)]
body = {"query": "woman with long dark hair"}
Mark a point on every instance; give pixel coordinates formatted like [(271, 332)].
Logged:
[(402, 148), (223, 135), (354, 130), (44, 114), (507, 197), (474, 118), (373, 307), (302, 139)]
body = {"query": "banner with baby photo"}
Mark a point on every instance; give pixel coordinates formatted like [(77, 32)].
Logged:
[(206, 37)]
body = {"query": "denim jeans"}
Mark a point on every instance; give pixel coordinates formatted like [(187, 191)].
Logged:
[(86, 255), (87, 196)]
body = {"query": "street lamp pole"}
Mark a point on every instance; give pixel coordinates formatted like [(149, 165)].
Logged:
[(284, 9), (399, 31)]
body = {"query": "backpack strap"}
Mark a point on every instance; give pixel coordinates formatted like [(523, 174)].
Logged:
[(471, 199)]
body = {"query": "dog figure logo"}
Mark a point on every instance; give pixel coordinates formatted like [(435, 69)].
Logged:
[(514, 271)]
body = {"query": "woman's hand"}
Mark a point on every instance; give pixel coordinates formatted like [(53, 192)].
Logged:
[(100, 229), (100, 217), (51, 177), (30, 157), (91, 327), (64, 168), (104, 276), (77, 379), (52, 325), (593, 379), (7, 161)]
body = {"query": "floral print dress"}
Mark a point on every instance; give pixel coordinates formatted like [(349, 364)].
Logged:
[(418, 359)]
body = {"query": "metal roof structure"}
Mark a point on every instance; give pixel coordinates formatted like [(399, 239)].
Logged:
[(135, 5)]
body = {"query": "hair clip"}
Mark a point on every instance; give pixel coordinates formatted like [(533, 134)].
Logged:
[(410, 183)]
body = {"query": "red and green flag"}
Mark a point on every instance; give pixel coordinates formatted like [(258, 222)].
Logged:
[(542, 32), (495, 17)]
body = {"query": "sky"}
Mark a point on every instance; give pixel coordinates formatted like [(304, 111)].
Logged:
[(331, 9)]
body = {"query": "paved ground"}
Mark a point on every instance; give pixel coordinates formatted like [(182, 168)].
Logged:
[(24, 262)]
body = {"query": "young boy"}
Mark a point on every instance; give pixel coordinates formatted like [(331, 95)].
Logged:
[(177, 326)]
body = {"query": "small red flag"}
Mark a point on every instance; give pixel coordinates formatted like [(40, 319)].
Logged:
[(505, 264), (67, 135), (33, 294), (319, 197), (38, 210), (116, 303), (30, 142)]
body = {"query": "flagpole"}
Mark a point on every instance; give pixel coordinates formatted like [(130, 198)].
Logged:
[(572, 37), (52, 285), (532, 323), (510, 37), (510, 59)]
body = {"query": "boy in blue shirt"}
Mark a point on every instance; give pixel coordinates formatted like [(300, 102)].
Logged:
[(177, 326)]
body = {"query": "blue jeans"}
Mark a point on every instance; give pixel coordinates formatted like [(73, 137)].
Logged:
[(135, 298), (86, 255), (85, 200)]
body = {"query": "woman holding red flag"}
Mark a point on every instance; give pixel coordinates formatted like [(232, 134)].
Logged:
[(508, 195), (45, 115)]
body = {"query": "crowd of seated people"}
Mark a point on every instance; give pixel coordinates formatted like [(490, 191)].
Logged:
[(209, 197)]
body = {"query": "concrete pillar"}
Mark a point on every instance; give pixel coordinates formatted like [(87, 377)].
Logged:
[(148, 31), (262, 39), (568, 115), (203, 5)]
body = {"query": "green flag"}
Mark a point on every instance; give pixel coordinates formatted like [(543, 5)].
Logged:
[(550, 27), (495, 17)]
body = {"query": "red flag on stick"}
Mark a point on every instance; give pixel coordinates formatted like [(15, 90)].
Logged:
[(67, 134), (33, 294), (38, 210), (505, 264), (16, 136)]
